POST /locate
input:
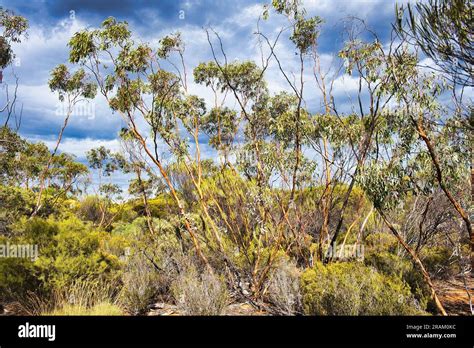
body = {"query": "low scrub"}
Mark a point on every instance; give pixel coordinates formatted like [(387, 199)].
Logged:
[(200, 294), (100, 309), (284, 291), (354, 289)]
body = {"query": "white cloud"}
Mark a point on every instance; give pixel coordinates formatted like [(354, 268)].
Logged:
[(79, 147), (339, 8), (248, 16), (345, 84), (44, 49), (37, 98)]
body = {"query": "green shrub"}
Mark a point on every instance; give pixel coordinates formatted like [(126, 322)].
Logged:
[(17, 278), (379, 242), (14, 203), (440, 261), (79, 253), (123, 213), (37, 231), (354, 289), (89, 209), (160, 207), (396, 266), (138, 228), (68, 250), (388, 263)]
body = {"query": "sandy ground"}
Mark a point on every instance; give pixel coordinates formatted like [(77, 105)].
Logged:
[(454, 296), (233, 309)]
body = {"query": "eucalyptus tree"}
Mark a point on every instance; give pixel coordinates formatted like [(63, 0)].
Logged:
[(268, 127), (145, 181), (307, 131), (370, 63), (304, 35), (267, 151), (72, 89), (272, 128), (65, 174), (130, 77), (14, 29), (105, 163), (443, 31), (255, 157), (343, 140), (399, 173), (20, 161), (23, 161), (424, 153)]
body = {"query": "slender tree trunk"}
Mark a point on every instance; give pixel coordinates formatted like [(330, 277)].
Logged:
[(341, 252), (38, 204), (326, 200), (440, 178), (103, 210), (364, 148), (362, 227), (170, 185), (174, 194), (332, 245), (416, 261), (149, 218), (298, 133)]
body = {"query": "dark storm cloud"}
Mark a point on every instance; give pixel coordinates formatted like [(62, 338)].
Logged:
[(141, 13)]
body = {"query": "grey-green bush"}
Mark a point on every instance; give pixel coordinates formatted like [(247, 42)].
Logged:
[(284, 289), (200, 294)]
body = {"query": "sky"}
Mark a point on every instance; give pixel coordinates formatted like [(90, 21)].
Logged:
[(53, 22)]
